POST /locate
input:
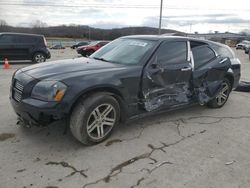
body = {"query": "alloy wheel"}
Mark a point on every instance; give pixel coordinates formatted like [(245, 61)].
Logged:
[(223, 94), (39, 58), (101, 121)]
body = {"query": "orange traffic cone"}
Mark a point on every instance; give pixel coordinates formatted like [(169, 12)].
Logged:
[(6, 64)]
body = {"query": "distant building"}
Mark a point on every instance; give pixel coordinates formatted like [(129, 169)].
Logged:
[(228, 38)]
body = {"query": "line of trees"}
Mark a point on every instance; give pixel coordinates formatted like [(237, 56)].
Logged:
[(80, 31)]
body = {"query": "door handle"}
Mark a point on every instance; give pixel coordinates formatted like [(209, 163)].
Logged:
[(186, 69)]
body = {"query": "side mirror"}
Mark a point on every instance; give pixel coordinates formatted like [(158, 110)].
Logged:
[(154, 65), (157, 66)]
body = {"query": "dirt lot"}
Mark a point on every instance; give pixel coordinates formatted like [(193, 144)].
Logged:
[(195, 147)]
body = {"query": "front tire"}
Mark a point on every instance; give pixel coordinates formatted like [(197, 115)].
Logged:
[(222, 96), (89, 53), (39, 57), (94, 118)]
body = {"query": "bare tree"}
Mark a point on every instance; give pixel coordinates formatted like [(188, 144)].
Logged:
[(38, 24), (3, 23)]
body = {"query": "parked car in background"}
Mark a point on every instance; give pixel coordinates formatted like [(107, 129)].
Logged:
[(83, 43), (20, 46), (247, 48), (89, 49), (131, 77), (242, 45), (57, 47)]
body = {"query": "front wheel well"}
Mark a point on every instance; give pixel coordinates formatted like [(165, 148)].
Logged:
[(34, 53), (105, 90)]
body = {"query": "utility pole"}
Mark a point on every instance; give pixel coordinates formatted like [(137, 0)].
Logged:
[(89, 33), (190, 28), (159, 32)]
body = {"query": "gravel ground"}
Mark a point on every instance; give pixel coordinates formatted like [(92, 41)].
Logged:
[(195, 147)]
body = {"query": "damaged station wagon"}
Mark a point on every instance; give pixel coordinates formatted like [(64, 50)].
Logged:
[(131, 77)]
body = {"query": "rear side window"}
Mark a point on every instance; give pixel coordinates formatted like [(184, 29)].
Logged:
[(25, 39), (7, 39), (172, 53), (103, 43), (18, 39), (223, 51), (202, 55)]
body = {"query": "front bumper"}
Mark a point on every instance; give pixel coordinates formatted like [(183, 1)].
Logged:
[(48, 54), (33, 111), (79, 51), (36, 112)]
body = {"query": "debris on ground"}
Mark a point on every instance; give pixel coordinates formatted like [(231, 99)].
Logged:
[(229, 163), (5, 136), (112, 142), (21, 170)]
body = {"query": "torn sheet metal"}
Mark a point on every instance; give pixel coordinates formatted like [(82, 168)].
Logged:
[(207, 80), (171, 95), (207, 91), (170, 86)]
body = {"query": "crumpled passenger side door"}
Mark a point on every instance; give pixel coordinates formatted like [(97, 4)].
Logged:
[(166, 79)]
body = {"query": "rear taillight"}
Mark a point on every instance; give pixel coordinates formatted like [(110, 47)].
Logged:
[(45, 42)]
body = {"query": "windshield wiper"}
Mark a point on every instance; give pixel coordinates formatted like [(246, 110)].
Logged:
[(101, 59)]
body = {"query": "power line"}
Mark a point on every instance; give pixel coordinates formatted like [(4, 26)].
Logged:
[(112, 6)]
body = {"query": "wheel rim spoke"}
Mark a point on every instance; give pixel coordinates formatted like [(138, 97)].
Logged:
[(96, 113), (225, 88), (107, 111), (219, 100), (108, 121), (223, 96), (92, 126), (101, 130), (98, 132)]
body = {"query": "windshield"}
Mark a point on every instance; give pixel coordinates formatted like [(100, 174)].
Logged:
[(124, 51)]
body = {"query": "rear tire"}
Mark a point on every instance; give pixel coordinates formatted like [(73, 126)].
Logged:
[(94, 118), (39, 57), (222, 96)]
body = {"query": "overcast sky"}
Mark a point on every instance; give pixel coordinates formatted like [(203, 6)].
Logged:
[(184, 15)]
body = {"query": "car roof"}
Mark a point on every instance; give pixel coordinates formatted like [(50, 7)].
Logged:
[(163, 38), (21, 34)]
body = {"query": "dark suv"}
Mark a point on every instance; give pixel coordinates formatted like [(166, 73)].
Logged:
[(19, 46), (128, 78)]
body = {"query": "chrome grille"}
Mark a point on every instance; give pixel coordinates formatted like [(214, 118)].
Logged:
[(19, 86), (17, 91), (17, 96)]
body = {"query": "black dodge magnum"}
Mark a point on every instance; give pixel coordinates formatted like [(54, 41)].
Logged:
[(130, 77)]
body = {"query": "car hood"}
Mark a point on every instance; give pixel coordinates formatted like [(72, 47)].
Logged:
[(59, 69)]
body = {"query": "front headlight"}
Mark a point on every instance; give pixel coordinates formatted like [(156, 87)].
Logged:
[(49, 91)]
